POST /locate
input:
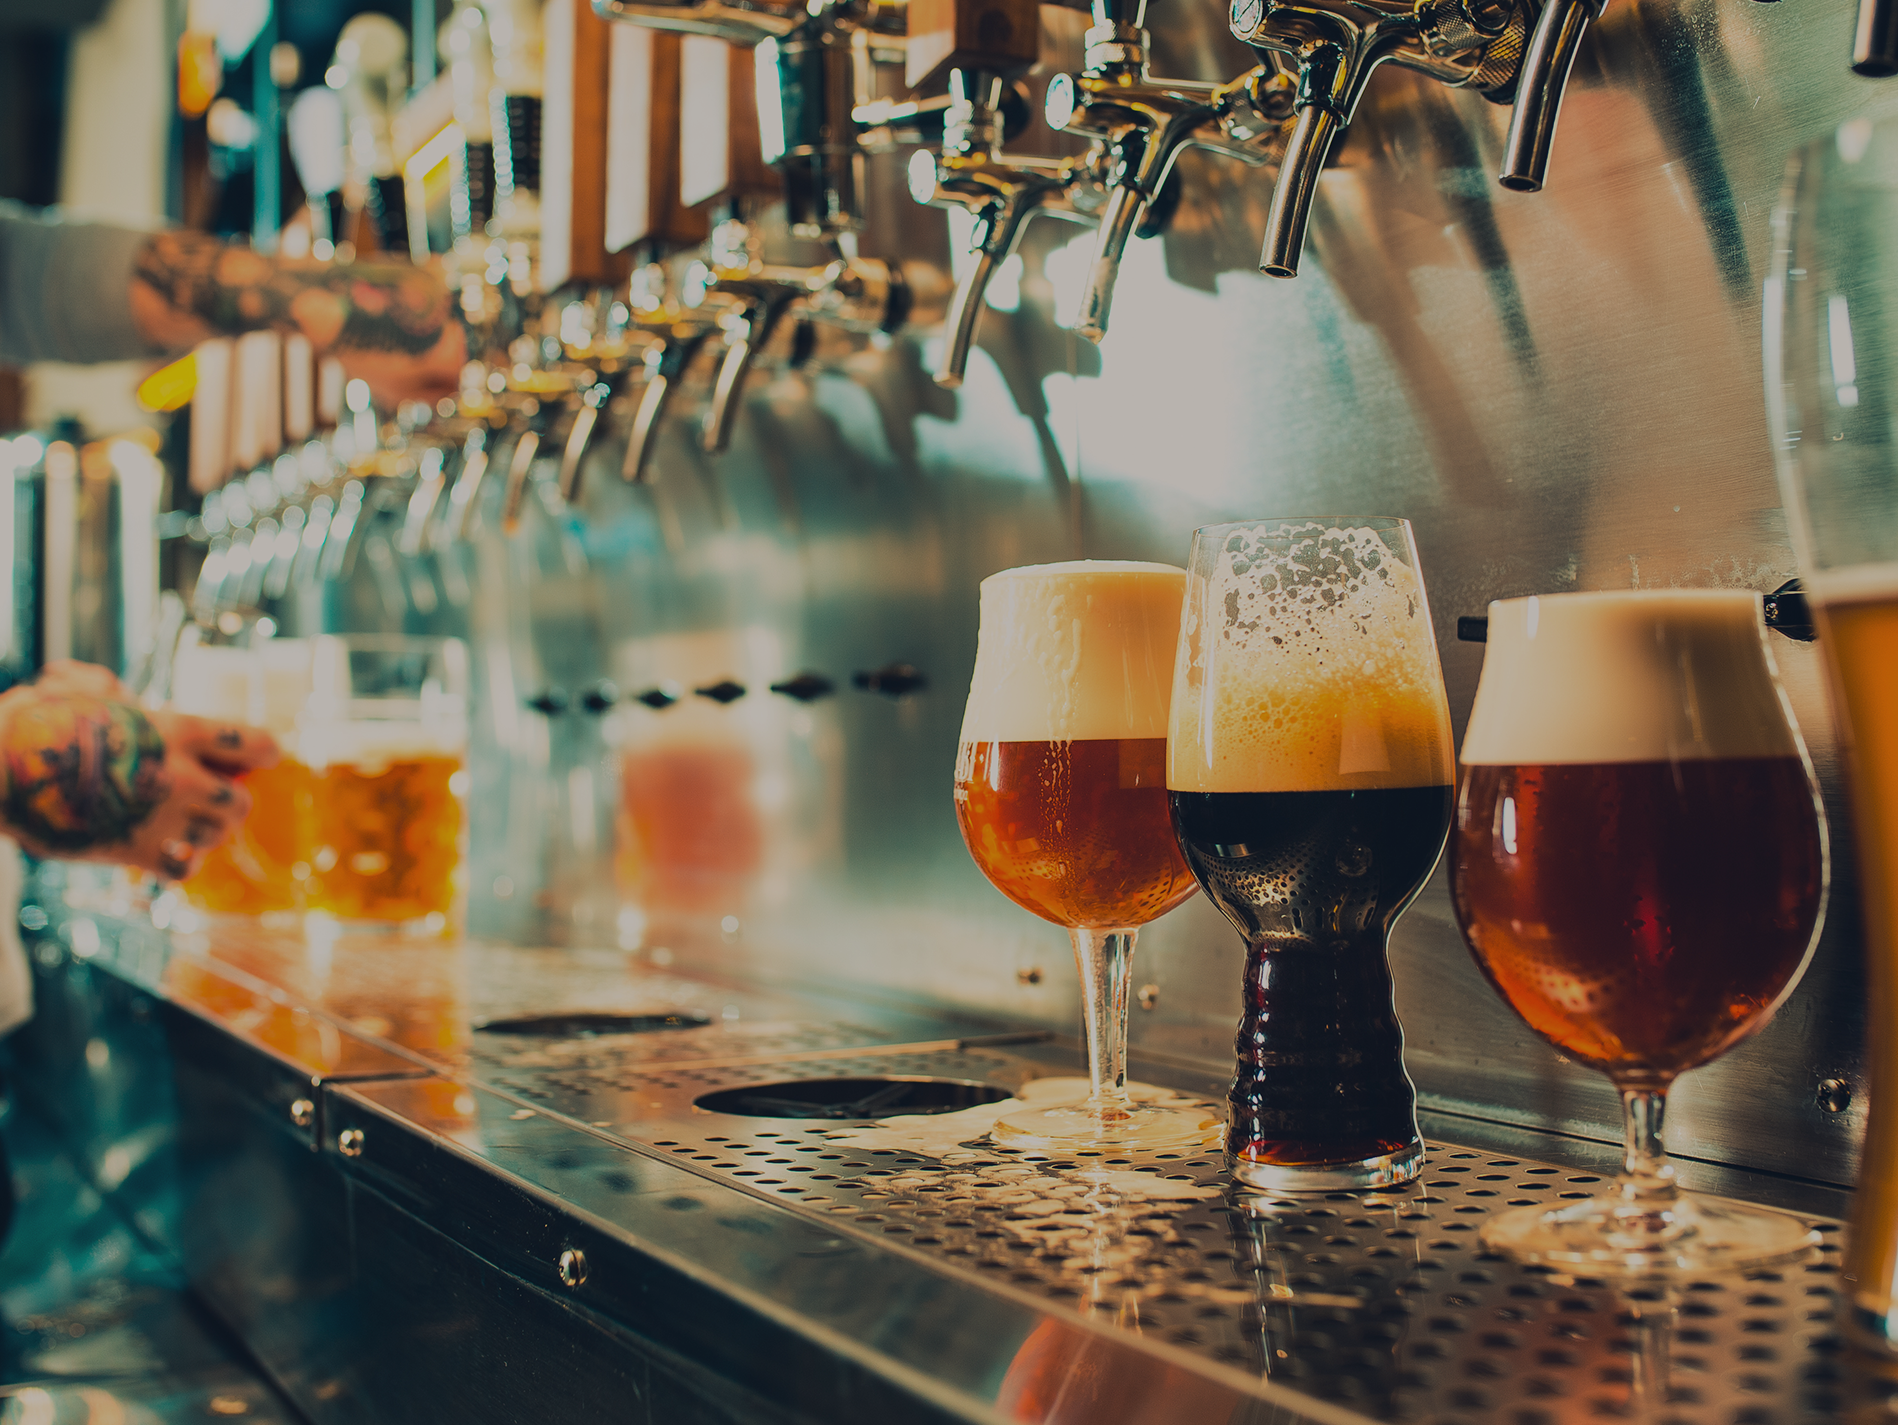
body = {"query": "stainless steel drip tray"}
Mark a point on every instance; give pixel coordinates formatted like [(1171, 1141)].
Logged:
[(1382, 1302)]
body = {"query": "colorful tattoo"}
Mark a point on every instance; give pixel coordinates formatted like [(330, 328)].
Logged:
[(81, 772), (363, 306)]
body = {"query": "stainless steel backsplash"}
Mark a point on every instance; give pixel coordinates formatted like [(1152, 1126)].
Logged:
[(1561, 390)]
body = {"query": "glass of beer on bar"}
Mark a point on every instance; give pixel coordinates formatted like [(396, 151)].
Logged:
[(1061, 796), (1831, 327), (385, 733), (1639, 867), (260, 868), (1309, 765)]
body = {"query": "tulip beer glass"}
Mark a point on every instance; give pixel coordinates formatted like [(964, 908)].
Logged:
[(1061, 796), (1309, 770), (1639, 867), (1831, 326)]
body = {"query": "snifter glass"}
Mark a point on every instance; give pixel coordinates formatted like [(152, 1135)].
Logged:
[(1639, 867), (1309, 773), (1061, 797), (1831, 324)]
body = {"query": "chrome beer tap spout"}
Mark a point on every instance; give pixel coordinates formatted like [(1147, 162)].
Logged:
[(1335, 46), (1545, 70), (675, 333), (1001, 193), (1144, 123)]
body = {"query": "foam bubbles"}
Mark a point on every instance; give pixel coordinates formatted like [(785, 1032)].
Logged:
[(1308, 663), (1075, 652)]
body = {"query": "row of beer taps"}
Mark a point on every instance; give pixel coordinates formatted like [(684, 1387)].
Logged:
[(552, 369)]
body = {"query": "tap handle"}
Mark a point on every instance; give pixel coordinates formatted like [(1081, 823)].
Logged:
[(1545, 70), (1875, 45), (760, 321), (1317, 128)]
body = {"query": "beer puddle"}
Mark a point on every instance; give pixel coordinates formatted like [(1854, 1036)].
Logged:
[(959, 1140)]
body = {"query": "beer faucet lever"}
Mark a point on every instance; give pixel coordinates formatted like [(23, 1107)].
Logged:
[(1335, 46), (1144, 123)]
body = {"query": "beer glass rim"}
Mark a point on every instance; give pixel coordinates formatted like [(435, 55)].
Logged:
[(1377, 522), (1612, 598)]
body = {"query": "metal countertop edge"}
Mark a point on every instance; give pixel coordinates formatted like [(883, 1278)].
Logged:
[(1250, 1386)]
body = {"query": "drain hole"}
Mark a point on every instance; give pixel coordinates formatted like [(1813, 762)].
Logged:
[(584, 1024), (849, 1098)]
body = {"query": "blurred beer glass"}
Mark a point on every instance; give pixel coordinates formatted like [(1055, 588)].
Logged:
[(1639, 867), (385, 733), (1309, 767), (1831, 348), (1061, 796), (260, 868)]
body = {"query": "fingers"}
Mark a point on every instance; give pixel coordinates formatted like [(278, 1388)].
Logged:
[(232, 746), (69, 677)]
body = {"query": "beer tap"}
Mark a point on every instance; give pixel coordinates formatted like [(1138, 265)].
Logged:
[(1144, 123), (1335, 45), (470, 55), (983, 44), (1544, 79)]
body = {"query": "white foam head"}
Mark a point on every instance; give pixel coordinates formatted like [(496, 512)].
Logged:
[(266, 685), (1638, 676), (1307, 663), (1074, 652)]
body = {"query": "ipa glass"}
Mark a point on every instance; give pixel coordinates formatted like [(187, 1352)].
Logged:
[(385, 734), (1831, 326), (1639, 868), (1309, 767), (1061, 796)]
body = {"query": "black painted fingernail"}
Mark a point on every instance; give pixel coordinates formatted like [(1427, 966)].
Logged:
[(201, 831), (171, 866), (222, 796), (229, 737)]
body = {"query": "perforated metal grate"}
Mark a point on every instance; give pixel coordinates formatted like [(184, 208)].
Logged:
[(1382, 1301)]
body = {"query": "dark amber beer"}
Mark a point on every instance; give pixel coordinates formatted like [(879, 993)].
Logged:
[(1660, 919), (1074, 831), (1309, 767)]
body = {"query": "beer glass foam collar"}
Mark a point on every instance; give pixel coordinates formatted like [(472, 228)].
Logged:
[(1061, 796), (385, 732), (1309, 766), (1639, 867), (261, 868)]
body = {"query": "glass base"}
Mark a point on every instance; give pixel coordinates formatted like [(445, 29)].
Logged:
[(1072, 1127), (1613, 1237), (1386, 1170)]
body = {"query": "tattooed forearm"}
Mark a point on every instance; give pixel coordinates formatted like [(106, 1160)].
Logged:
[(364, 306), (81, 772)]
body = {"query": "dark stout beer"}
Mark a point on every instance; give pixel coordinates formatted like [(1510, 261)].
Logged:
[(1074, 831), (1308, 764), (1641, 916), (1313, 881)]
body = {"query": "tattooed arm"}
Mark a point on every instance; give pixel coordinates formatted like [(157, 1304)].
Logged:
[(89, 776), (390, 324)]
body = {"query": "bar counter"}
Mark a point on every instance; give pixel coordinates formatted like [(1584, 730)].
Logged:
[(470, 1182)]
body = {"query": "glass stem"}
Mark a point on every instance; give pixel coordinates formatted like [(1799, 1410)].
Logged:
[(1647, 1179), (1106, 959)]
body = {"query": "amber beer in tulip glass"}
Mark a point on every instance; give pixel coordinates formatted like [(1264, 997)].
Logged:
[(1061, 795), (1309, 768), (385, 734), (1639, 867)]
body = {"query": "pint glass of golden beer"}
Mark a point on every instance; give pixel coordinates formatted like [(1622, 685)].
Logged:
[(1831, 323), (385, 733), (260, 868)]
